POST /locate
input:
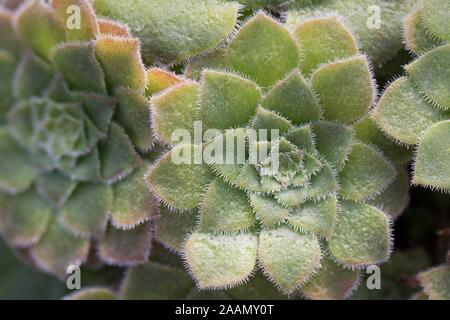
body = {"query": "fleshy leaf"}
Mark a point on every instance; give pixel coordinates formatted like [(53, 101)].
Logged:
[(154, 281), (32, 77), (257, 288), (179, 185), (367, 131), (24, 218), (8, 67), (333, 142), (55, 187), (361, 236), (175, 109), (322, 184), (133, 204), (133, 114), (8, 38), (381, 39), (225, 209), (345, 89), (317, 217), (292, 197), (219, 261), (266, 41), (293, 99), (416, 36), (39, 27), (114, 247), (87, 168), (92, 294), (395, 198), (403, 113), (117, 155), (86, 211), (170, 34), (16, 170), (324, 40), (332, 282), (78, 64), (268, 211), (58, 249), (288, 258), (435, 15), (432, 166), (249, 179), (269, 120), (227, 100), (366, 173), (433, 80), (171, 228), (436, 282), (99, 108), (159, 80), (303, 138), (121, 61), (87, 28), (108, 27)]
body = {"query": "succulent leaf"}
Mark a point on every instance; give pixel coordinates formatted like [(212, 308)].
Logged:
[(16, 170), (431, 79), (432, 163), (154, 281), (436, 18), (333, 81), (361, 236), (403, 113), (114, 247), (331, 282), (24, 218), (359, 182), (173, 30), (39, 27), (86, 211), (218, 261), (323, 41), (288, 258), (58, 249), (436, 282)]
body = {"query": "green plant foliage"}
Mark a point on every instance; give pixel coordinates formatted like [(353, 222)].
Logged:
[(414, 110), (173, 30), (316, 216), (381, 42), (74, 136), (398, 276), (436, 282), (164, 278), (18, 281)]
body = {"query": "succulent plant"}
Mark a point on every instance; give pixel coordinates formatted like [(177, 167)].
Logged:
[(436, 282), (74, 137), (398, 276), (415, 109), (173, 30), (317, 219), (380, 41)]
